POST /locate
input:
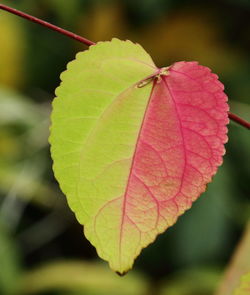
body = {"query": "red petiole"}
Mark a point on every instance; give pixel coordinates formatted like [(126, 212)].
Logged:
[(239, 120)]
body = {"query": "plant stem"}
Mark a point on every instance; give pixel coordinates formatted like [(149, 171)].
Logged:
[(239, 120), (47, 25), (87, 42)]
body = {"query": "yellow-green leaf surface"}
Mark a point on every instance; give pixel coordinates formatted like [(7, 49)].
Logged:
[(99, 121), (244, 288)]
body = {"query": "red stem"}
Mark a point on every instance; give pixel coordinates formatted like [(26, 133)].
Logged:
[(47, 25), (87, 42), (239, 120)]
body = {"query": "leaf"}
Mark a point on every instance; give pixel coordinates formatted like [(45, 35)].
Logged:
[(17, 109), (10, 262), (80, 276), (134, 145), (22, 157), (244, 288), (239, 265)]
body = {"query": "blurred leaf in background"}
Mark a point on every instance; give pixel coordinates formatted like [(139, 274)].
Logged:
[(239, 265), (81, 278), (12, 49), (191, 282), (10, 269), (23, 159), (244, 288)]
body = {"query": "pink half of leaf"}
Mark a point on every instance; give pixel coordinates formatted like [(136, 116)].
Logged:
[(180, 146)]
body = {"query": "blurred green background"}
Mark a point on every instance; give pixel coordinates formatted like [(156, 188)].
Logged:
[(42, 247)]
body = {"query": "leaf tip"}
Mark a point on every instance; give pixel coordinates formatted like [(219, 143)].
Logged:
[(121, 274)]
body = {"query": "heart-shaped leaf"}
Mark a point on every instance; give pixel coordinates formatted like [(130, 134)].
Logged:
[(133, 145)]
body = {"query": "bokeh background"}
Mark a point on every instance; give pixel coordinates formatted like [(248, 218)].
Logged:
[(42, 247)]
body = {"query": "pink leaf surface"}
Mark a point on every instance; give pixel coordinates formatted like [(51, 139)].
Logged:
[(179, 147)]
